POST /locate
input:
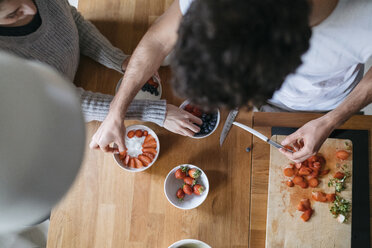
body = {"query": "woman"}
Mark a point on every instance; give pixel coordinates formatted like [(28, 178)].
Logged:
[(55, 33)]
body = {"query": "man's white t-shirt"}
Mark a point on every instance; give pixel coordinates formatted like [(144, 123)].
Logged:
[(333, 65)]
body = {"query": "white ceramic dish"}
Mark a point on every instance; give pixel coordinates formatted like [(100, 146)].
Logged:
[(142, 95), (192, 243), (183, 105), (153, 134), (172, 184)]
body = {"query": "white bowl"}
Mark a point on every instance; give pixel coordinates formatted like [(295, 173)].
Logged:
[(196, 243), (142, 95), (172, 184), (153, 134), (183, 105)]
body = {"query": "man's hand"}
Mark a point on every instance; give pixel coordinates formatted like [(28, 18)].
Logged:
[(312, 134), (111, 130), (181, 122)]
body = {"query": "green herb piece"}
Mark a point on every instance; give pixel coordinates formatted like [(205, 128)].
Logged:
[(340, 207)]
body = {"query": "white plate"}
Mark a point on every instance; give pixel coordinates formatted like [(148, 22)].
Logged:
[(172, 184), (153, 134), (142, 95), (196, 243), (183, 105)]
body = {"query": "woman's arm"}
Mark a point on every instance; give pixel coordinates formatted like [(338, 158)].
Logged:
[(95, 107), (96, 46)]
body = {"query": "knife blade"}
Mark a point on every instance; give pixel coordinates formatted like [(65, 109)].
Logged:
[(228, 123), (260, 135)]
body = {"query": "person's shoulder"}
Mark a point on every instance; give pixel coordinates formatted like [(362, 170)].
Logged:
[(185, 5)]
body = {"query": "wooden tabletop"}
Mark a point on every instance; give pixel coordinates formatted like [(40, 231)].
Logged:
[(263, 122), (110, 207)]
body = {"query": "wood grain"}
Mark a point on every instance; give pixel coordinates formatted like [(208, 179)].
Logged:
[(263, 122), (284, 226), (109, 207)]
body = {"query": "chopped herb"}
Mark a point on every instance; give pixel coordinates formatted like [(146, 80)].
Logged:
[(340, 207), (339, 184)]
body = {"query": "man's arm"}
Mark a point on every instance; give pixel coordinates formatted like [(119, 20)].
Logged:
[(146, 59), (315, 132)]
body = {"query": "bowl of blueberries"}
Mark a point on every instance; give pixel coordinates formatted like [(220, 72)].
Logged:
[(210, 119), (151, 90)]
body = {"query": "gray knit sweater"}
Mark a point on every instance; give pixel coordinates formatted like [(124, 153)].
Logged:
[(60, 39)]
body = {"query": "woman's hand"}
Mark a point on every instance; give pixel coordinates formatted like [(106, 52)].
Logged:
[(181, 122), (312, 135)]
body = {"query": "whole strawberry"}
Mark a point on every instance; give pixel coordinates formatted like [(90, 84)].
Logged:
[(180, 194), (187, 189), (181, 172), (198, 189), (194, 173), (190, 181)]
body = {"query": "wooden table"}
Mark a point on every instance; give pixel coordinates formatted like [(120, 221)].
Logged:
[(260, 164), (109, 207)]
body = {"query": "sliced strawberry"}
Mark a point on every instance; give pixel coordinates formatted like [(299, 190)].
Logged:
[(144, 159), (148, 138), (149, 150), (150, 144), (126, 160), (149, 155), (319, 196), (324, 172), (342, 154), (130, 134), (307, 215), (288, 172), (297, 180), (313, 182), (138, 163), (331, 197), (339, 175), (131, 163), (290, 183)]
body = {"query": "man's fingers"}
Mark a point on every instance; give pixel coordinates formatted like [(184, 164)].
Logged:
[(299, 156), (291, 139)]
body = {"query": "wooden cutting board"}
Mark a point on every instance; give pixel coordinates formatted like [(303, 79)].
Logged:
[(284, 225)]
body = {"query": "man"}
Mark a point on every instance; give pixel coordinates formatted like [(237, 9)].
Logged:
[(232, 53)]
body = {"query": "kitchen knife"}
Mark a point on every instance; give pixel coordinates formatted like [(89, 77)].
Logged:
[(260, 135), (228, 123)]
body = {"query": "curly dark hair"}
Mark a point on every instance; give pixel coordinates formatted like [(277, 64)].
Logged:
[(233, 52)]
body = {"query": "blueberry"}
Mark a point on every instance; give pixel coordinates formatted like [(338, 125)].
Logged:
[(210, 127), (208, 117), (248, 149)]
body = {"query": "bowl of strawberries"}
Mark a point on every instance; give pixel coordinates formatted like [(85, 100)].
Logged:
[(142, 149), (210, 119), (186, 186)]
